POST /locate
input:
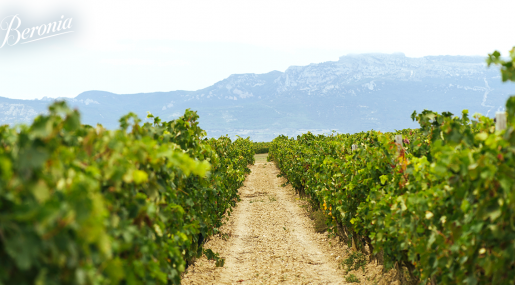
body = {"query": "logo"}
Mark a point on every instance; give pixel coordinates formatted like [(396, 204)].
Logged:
[(14, 34)]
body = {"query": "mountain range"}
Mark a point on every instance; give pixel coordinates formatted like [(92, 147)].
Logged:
[(356, 93)]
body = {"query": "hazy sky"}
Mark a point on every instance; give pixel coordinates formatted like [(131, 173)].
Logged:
[(145, 46)]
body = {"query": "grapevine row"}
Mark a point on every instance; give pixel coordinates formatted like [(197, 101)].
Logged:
[(261, 147), (86, 205), (442, 204)]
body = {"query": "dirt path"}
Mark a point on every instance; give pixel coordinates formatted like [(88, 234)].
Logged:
[(268, 239)]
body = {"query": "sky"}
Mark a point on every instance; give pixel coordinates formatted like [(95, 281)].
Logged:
[(127, 46)]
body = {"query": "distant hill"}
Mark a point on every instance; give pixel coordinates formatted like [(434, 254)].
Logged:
[(355, 93)]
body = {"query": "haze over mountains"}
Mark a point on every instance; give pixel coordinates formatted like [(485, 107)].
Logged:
[(356, 93)]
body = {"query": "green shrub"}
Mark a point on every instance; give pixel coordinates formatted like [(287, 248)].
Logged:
[(260, 147), (354, 261), (352, 279)]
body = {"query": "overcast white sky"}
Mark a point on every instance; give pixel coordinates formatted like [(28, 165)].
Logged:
[(145, 46)]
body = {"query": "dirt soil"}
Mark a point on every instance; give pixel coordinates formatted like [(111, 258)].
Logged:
[(269, 239), (261, 157)]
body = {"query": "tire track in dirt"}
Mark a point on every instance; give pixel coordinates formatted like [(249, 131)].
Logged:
[(270, 240)]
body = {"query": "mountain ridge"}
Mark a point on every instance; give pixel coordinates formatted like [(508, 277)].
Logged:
[(356, 93)]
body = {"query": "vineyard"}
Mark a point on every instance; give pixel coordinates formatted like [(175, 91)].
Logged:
[(438, 204), (84, 205), (261, 147), (147, 203)]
